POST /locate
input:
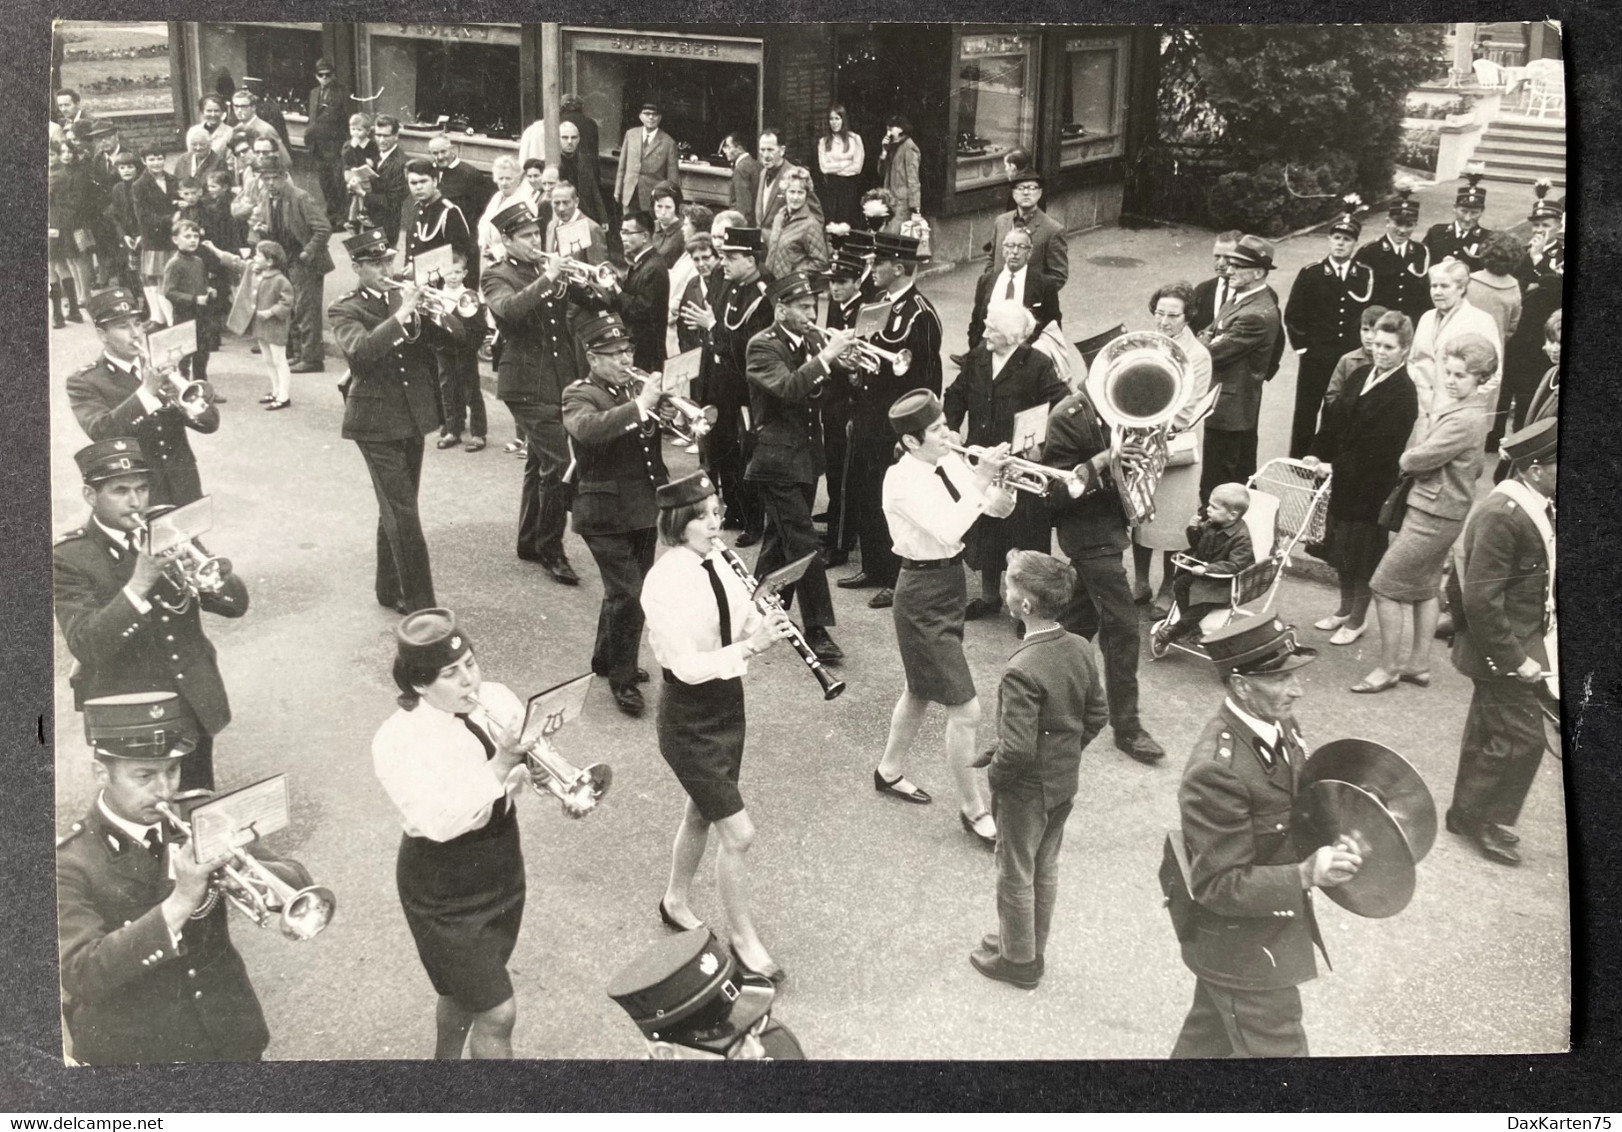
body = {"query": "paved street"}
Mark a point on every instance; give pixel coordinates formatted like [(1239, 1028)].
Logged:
[(872, 905)]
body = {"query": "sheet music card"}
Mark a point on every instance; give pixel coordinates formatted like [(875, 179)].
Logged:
[(679, 372), (549, 710), (167, 346), (1030, 429), (233, 820)]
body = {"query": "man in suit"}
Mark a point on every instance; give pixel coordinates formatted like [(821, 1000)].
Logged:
[(1239, 892), (128, 624), (745, 176), (149, 972), (295, 221), (774, 164), (1017, 281), (580, 170), (647, 156), (1400, 263), (200, 158), (391, 402), (540, 358), (1049, 250), (469, 189), (1323, 318), (1463, 237), (1501, 593), (642, 299), (787, 383), (1212, 295), (619, 464), (1093, 535), (120, 394), (913, 325), (245, 107), (391, 177), (328, 109), (1244, 341)]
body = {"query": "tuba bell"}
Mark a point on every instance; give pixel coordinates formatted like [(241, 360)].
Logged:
[(1137, 383)]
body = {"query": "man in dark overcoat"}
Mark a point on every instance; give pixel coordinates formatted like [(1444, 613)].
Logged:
[(1323, 318), (1243, 340)]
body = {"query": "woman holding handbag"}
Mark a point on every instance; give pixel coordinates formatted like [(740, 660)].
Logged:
[(1444, 464)]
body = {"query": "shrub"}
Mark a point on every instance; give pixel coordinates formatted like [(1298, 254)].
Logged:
[(1419, 149), (1278, 197)]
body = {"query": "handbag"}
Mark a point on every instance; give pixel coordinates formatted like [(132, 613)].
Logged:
[(1396, 505)]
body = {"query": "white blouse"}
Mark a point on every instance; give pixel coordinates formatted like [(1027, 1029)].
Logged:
[(838, 158), (435, 770), (684, 621), (926, 523)]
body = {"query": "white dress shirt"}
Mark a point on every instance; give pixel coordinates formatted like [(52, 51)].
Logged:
[(435, 770), (925, 522), (999, 289), (684, 620)]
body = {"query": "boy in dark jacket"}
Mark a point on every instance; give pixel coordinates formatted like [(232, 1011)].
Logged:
[(1221, 542)]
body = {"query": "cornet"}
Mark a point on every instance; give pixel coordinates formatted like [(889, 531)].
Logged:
[(191, 571), (573, 270), (577, 790), (437, 302), (869, 357), (1022, 475), (695, 419), (257, 892)]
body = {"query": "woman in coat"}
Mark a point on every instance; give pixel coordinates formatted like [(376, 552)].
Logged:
[(153, 196), (898, 167), (796, 241), (1362, 435), (1445, 462)]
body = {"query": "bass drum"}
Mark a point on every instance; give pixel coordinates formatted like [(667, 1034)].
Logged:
[(780, 1044)]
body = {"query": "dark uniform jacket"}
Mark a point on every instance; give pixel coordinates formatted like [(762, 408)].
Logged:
[(1401, 282), (1041, 298), (104, 403), (1497, 591), (741, 312), (1050, 705), (1324, 312), (393, 391), (1446, 240), (616, 459), (439, 223), (786, 387), (1251, 925), (540, 356), (644, 305), (1094, 525), (130, 996), (469, 189), (1244, 341), (914, 324)]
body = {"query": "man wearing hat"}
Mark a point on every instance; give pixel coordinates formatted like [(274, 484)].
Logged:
[(329, 109), (391, 401), (618, 459), (844, 303), (1050, 253), (1244, 341), (1239, 892), (1400, 262), (1542, 274), (642, 298), (788, 379), (128, 625), (1462, 239), (741, 311), (121, 395), (647, 156), (1017, 282), (1323, 318), (1501, 594), (540, 358), (1212, 295), (913, 325), (149, 973), (294, 220)]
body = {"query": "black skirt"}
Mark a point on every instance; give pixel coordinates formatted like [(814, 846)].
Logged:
[(464, 902), (1354, 547), (928, 613), (701, 729)]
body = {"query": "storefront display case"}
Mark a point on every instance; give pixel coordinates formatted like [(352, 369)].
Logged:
[(1092, 99), (995, 107), (463, 78)]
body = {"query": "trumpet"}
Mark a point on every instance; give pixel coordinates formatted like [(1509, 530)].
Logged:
[(1022, 475), (767, 602), (869, 357), (193, 397), (578, 791), (574, 270), (190, 570), (437, 302), (695, 420), (257, 892)]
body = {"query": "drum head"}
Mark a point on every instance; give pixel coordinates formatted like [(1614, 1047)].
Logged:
[(1389, 777), (1385, 882)]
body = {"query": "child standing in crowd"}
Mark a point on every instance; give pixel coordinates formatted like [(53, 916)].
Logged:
[(459, 392), (187, 288), (262, 309), (219, 226), (153, 195), (1221, 542)]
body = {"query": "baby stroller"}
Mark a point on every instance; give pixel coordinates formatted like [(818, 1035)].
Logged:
[(1289, 503)]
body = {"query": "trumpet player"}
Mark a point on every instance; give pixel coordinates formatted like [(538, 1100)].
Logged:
[(451, 762), (149, 972), (122, 394), (114, 604)]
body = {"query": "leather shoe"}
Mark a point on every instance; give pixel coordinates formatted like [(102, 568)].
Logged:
[(673, 923), (978, 827), (774, 972), (448, 440), (1494, 848), (823, 645), (1502, 833), (992, 941), (307, 367), (561, 572), (991, 964), (979, 607), (1141, 746), (834, 558), (857, 581), (884, 599), (1459, 824), (1444, 628), (642, 676), (628, 698), (917, 794), (748, 539), (476, 444)]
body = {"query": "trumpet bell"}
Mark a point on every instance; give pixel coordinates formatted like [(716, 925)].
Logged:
[(902, 362), (308, 912), (601, 777)]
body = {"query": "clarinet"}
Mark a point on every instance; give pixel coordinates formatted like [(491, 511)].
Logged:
[(832, 686)]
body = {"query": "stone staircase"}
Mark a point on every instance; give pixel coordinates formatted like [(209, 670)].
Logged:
[(1521, 150)]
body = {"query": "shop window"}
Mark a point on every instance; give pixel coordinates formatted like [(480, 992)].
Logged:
[(996, 104), (465, 74), (1092, 101), (282, 57)]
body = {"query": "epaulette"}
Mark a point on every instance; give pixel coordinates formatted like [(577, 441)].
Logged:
[(78, 828), (77, 532)]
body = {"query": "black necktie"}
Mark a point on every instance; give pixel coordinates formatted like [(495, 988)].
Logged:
[(720, 603), (951, 488), (500, 808), (1009, 294), (154, 842)]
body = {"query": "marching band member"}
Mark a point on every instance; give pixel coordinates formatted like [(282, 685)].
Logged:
[(1463, 237), (844, 303), (1321, 319), (450, 761), (149, 973), (1400, 263), (123, 394), (741, 312), (704, 628), (117, 606), (931, 498), (1243, 910), (619, 464)]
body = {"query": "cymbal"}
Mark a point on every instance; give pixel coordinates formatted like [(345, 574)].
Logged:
[(1384, 883), (1387, 776)]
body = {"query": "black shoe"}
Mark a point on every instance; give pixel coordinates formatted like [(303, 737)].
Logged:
[(448, 440), (307, 367), (1140, 746), (1501, 833), (748, 539), (559, 570), (823, 645), (642, 676), (253, 349), (979, 607), (1460, 823), (772, 972), (1495, 848), (673, 923), (1444, 628), (884, 599), (832, 558), (991, 964), (628, 698), (918, 794), (857, 581), (398, 605), (58, 324), (74, 315)]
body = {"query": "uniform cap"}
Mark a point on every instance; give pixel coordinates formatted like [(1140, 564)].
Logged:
[(429, 639), (741, 240), (108, 459), (1471, 194), (915, 411), (1257, 646), (688, 489), (513, 217), (1543, 208), (894, 246), (605, 334), (794, 285), (139, 725), (368, 245), (1537, 441), (111, 305), (685, 983), (1347, 223)]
